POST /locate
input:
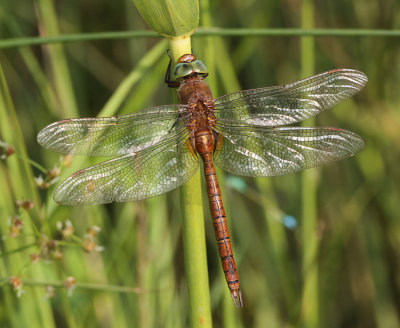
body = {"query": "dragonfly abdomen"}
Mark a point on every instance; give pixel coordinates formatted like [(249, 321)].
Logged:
[(204, 144)]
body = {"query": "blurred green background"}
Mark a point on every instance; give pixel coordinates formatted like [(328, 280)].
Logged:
[(352, 278)]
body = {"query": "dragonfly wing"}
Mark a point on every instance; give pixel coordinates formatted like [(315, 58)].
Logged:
[(113, 136), (145, 174), (255, 151), (285, 104)]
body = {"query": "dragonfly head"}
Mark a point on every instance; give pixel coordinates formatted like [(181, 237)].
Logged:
[(187, 66)]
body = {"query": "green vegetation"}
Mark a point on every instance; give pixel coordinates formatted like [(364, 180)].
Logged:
[(339, 269)]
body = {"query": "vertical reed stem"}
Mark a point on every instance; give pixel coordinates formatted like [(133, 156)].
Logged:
[(193, 232), (57, 60), (309, 186)]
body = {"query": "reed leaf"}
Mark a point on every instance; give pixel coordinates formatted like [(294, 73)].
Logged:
[(170, 18)]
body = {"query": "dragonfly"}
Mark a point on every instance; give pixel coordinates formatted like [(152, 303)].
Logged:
[(245, 133)]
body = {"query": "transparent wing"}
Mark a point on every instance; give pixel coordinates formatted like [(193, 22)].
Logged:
[(112, 136), (145, 174), (255, 151), (285, 104)]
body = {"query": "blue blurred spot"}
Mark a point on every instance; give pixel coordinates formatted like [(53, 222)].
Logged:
[(236, 183), (289, 222)]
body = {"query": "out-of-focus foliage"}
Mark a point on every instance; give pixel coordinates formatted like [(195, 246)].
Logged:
[(71, 283)]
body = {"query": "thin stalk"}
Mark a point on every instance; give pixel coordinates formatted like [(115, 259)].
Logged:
[(157, 230), (209, 31), (310, 299), (32, 63), (137, 74), (21, 172), (193, 233), (195, 254), (33, 163), (17, 250), (277, 246), (83, 285), (57, 60), (33, 310)]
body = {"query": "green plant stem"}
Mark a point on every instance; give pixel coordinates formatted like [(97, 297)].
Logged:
[(310, 301), (195, 254), (33, 163), (239, 32), (125, 87), (57, 60), (209, 31), (22, 187), (11, 132), (17, 250), (84, 285)]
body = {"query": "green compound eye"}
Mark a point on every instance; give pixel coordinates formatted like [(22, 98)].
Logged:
[(183, 70), (199, 67)]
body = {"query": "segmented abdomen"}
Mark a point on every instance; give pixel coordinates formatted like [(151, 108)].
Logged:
[(204, 144)]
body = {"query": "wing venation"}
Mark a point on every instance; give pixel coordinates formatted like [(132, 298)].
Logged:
[(277, 151), (286, 104), (113, 136), (131, 177)]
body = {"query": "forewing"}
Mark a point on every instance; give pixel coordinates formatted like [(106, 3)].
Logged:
[(113, 136), (148, 173), (277, 151), (289, 103)]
